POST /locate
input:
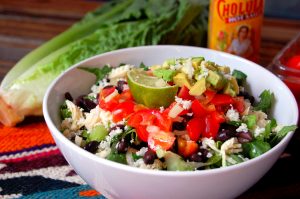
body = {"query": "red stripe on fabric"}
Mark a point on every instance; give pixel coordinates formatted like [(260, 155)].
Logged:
[(31, 156)]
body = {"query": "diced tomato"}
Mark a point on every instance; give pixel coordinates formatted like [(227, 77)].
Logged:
[(122, 110), (142, 133), (208, 96), (198, 109), (147, 117), (222, 99), (107, 91), (239, 104), (141, 118), (108, 106), (125, 96), (186, 147), (161, 139), (211, 127), (218, 116), (162, 121), (139, 107), (184, 94), (195, 127)]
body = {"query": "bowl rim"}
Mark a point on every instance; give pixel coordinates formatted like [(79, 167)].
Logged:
[(56, 133)]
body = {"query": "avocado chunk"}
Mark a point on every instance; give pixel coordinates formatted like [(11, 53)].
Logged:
[(181, 80), (211, 65), (217, 80), (175, 162), (98, 133), (232, 87), (198, 88), (196, 61), (169, 62), (224, 69)]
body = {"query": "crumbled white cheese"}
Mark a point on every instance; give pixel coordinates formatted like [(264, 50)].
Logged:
[(232, 115), (242, 128), (115, 132), (204, 70), (157, 165), (142, 151), (209, 142), (188, 68), (186, 104), (97, 116), (120, 72), (258, 131), (103, 153), (209, 155), (228, 147)]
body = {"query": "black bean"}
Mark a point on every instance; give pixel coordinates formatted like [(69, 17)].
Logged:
[(85, 103), (246, 95), (196, 157), (149, 157), (244, 136), (107, 80), (68, 96), (180, 126), (120, 86), (120, 126), (187, 117), (92, 146), (226, 132), (122, 146), (199, 156)]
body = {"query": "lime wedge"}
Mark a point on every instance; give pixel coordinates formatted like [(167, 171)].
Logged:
[(151, 91)]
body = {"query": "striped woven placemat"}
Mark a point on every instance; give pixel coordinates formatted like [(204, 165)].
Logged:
[(31, 166)]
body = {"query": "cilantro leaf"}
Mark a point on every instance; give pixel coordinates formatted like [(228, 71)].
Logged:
[(165, 74), (99, 72), (282, 133), (255, 148), (266, 100), (143, 66)]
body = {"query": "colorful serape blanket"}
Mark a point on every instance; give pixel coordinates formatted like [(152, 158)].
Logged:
[(31, 166)]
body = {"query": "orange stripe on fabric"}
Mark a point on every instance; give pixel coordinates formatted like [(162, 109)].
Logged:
[(18, 138), (89, 193)]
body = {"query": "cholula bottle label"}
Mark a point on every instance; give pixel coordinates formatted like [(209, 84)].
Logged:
[(235, 27)]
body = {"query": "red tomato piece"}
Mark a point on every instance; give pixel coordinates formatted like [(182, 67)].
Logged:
[(294, 62), (218, 116), (161, 139), (163, 121), (108, 106), (184, 94), (126, 96), (107, 91), (239, 104), (208, 96), (142, 133), (211, 127), (198, 109), (195, 127), (122, 110), (186, 148), (222, 99), (141, 118)]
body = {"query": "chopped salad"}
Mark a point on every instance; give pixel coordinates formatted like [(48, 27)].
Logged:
[(183, 115)]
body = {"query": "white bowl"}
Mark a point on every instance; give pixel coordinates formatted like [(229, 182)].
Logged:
[(115, 180)]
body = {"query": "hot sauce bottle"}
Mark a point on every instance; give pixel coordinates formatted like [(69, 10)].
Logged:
[(235, 27)]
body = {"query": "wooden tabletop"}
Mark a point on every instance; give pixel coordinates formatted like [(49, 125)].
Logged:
[(26, 24)]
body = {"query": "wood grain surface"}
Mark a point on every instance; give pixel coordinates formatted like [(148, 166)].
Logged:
[(26, 24)]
